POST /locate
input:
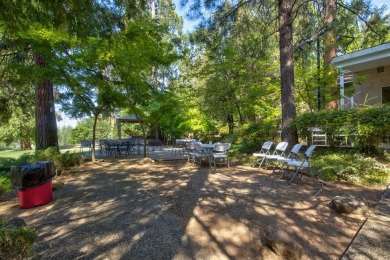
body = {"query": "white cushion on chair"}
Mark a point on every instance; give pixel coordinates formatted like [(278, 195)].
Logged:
[(259, 154)]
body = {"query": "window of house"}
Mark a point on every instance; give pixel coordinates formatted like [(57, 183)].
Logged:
[(386, 95)]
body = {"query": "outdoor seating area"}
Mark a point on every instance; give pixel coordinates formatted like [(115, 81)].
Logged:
[(129, 147), (278, 158), (194, 129), (199, 153), (211, 154)]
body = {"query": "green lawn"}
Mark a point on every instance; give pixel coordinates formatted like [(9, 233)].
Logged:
[(17, 153), (14, 153)]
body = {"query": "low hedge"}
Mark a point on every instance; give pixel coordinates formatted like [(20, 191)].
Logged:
[(370, 125)]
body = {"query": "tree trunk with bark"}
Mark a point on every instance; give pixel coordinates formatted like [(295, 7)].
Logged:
[(25, 145), (289, 134), (330, 51), (230, 120), (45, 118), (93, 145)]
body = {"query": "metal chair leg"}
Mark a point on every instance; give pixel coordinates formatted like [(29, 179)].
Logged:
[(293, 175), (261, 163)]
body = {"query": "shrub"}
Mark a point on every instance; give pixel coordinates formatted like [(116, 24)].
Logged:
[(16, 242), (67, 160), (364, 170), (47, 154), (368, 124), (252, 136), (5, 182), (62, 161), (229, 138), (349, 166), (6, 163), (371, 125)]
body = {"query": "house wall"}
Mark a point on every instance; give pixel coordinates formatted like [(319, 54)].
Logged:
[(370, 91)]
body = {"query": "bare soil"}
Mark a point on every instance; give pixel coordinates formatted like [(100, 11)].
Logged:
[(174, 210)]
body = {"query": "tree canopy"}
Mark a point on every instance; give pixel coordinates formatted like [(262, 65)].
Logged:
[(246, 63)]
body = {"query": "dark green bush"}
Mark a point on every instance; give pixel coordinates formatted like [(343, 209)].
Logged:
[(371, 125), (5, 182), (47, 154), (16, 242), (62, 161), (228, 138), (368, 124), (252, 136), (67, 160)]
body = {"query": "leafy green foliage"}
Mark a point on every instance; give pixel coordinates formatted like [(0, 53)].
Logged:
[(347, 165), (83, 131), (368, 124), (64, 135), (67, 160), (5, 182), (62, 161), (16, 242), (7, 162), (371, 125), (47, 154), (232, 80), (252, 136), (364, 170)]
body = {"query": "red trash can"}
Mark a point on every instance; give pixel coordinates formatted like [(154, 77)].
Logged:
[(33, 181), (36, 196)]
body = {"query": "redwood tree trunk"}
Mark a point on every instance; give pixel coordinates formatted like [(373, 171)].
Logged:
[(45, 118), (289, 134)]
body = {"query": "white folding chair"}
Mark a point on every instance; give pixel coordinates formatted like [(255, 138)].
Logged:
[(199, 154), (279, 151), (262, 153), (292, 156), (191, 151), (305, 163), (220, 154)]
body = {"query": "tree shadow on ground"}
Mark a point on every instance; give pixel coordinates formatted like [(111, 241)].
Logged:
[(122, 210)]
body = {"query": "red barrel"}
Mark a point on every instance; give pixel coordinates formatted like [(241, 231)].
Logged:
[(35, 196)]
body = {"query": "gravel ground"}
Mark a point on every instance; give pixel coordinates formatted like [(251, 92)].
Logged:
[(123, 209)]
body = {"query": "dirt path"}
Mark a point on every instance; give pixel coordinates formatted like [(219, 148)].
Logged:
[(173, 210)]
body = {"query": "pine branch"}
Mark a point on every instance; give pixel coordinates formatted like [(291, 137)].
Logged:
[(311, 39), (359, 16)]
